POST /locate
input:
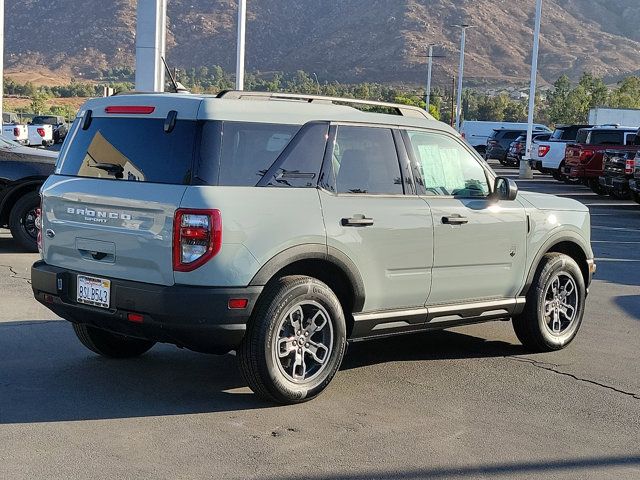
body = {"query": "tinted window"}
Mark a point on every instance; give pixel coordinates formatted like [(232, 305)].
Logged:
[(364, 160), (606, 138), (633, 139), (511, 135), (582, 136), (447, 168), (240, 153), (301, 161), (137, 149)]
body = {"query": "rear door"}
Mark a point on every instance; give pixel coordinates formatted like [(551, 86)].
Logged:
[(479, 243), (372, 216), (109, 208)]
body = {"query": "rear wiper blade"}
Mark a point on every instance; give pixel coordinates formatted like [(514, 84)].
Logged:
[(112, 168)]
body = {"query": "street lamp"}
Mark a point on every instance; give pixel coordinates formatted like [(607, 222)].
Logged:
[(463, 28), (317, 82), (242, 24), (525, 167)]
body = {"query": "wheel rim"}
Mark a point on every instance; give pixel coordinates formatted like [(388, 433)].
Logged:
[(560, 304), (29, 223), (304, 342)]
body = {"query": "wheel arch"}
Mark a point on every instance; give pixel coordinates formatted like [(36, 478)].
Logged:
[(328, 265), (13, 195), (570, 245)]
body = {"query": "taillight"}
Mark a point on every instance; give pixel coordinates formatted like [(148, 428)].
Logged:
[(585, 155), (543, 150), (16, 132), (41, 132), (197, 238), (39, 227), (629, 165)]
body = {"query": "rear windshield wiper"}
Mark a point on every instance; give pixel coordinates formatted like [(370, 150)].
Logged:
[(111, 168)]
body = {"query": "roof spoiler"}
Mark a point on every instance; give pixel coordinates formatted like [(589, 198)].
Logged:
[(403, 110)]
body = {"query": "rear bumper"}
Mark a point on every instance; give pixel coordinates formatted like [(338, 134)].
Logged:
[(614, 183), (197, 318)]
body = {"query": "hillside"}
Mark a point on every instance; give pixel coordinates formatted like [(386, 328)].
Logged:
[(344, 40)]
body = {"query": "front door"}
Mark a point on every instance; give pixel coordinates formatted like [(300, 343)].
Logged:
[(386, 233), (479, 243)]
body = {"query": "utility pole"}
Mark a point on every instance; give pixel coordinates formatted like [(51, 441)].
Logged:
[(453, 96), (525, 167), (463, 29), (242, 27)]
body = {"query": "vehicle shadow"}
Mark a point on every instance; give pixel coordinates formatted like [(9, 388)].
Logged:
[(434, 345), (7, 244), (46, 375), (580, 467), (630, 304)]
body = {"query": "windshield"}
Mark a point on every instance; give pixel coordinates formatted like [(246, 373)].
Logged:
[(141, 147)]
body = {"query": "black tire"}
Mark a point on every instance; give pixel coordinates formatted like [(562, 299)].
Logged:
[(22, 221), (532, 326), (594, 185), (111, 345), (262, 366), (621, 194)]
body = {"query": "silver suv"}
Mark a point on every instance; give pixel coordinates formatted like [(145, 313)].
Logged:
[(284, 226)]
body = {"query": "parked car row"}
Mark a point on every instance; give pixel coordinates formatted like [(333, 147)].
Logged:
[(41, 131)]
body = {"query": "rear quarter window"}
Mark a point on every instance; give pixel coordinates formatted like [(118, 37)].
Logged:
[(241, 153)]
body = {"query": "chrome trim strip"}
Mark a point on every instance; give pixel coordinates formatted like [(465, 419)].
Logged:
[(358, 317)]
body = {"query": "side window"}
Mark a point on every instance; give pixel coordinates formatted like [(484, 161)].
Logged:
[(446, 167), (365, 161), (302, 160)]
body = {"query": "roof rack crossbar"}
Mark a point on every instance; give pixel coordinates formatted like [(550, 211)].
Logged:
[(404, 110)]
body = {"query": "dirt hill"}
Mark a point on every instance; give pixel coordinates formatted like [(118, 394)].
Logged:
[(344, 40)]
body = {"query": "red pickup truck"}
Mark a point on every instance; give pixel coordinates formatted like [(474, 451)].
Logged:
[(583, 159)]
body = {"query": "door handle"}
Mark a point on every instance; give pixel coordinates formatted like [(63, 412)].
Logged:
[(455, 220), (357, 221)]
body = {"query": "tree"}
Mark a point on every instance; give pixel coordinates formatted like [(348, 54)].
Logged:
[(39, 103)]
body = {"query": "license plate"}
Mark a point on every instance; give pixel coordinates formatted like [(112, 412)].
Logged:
[(94, 291)]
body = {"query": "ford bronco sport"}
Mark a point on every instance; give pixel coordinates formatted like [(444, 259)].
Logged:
[(284, 226)]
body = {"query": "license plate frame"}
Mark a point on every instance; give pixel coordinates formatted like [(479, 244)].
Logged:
[(93, 291)]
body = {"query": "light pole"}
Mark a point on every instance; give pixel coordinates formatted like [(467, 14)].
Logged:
[(525, 167), (317, 82), (431, 56), (463, 29), (1, 62), (242, 23)]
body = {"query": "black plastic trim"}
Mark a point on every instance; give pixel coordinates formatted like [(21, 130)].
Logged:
[(314, 251)]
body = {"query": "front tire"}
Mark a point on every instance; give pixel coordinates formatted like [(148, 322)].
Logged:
[(110, 345), (22, 222), (555, 305), (295, 340), (594, 185)]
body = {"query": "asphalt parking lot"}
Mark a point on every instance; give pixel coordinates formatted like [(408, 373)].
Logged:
[(466, 403)]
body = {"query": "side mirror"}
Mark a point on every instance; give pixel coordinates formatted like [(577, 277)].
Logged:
[(505, 189)]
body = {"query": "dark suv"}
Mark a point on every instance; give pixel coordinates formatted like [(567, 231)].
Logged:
[(499, 142)]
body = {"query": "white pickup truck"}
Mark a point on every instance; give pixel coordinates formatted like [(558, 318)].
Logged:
[(16, 132), (40, 135), (548, 156)]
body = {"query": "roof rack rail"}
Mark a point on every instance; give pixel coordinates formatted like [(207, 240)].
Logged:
[(404, 110)]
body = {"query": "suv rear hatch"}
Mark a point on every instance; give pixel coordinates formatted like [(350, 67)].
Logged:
[(109, 209)]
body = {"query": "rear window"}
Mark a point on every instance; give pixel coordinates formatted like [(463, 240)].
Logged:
[(582, 136), (131, 149), (606, 138)]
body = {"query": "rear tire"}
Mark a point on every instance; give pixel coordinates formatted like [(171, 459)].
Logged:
[(594, 185), (295, 340), (22, 221), (555, 305), (111, 345)]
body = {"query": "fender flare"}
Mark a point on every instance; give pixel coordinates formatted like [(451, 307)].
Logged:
[(551, 242), (314, 251)]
